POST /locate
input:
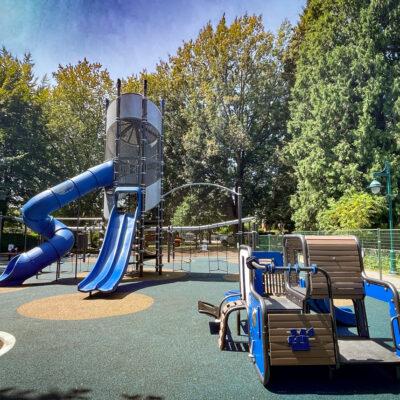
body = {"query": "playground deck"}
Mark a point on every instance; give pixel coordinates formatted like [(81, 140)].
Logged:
[(165, 351)]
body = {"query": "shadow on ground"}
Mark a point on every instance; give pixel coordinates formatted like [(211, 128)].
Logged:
[(348, 380), (16, 394), (126, 288), (72, 394)]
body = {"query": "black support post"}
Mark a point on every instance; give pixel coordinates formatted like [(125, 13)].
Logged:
[(160, 208), (239, 214), (143, 145), (117, 135)]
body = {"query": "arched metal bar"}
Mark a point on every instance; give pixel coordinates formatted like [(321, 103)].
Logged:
[(200, 184), (237, 193)]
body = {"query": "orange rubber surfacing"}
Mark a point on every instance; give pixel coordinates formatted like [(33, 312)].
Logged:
[(10, 289), (79, 306)]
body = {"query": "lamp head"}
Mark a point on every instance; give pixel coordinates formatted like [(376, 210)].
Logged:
[(375, 186)]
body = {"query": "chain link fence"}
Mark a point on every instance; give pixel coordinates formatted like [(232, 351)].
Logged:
[(375, 244)]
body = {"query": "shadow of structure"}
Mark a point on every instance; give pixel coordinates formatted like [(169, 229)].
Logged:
[(134, 283), (140, 397), (12, 393), (348, 380), (126, 288), (54, 394)]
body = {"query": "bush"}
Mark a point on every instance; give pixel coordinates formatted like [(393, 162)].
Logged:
[(17, 239), (352, 211)]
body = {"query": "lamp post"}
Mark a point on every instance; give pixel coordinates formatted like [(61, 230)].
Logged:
[(375, 187)]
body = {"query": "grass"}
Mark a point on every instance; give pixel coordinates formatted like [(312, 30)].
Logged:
[(371, 261)]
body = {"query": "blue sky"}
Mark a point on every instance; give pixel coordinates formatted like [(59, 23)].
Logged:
[(125, 36)]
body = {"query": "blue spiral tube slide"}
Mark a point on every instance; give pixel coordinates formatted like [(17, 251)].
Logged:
[(36, 215)]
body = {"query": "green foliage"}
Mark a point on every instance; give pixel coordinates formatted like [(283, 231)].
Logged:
[(371, 261), (303, 115), (24, 152), (195, 209), (18, 240), (75, 113), (352, 211), (236, 111), (345, 100), (226, 97)]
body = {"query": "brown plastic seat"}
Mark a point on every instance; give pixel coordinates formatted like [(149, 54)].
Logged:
[(337, 255), (340, 257)]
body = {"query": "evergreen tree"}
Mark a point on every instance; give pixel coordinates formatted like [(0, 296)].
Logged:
[(345, 103)]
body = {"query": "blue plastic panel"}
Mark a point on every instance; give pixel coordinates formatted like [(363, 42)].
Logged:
[(256, 343), (384, 294)]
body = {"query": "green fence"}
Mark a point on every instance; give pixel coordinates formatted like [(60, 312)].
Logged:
[(270, 242), (375, 244)]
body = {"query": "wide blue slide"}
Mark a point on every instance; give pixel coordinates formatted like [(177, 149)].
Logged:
[(344, 315), (116, 249), (60, 239)]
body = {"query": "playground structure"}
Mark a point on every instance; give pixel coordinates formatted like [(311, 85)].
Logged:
[(289, 300), (132, 179), (187, 243), (288, 297)]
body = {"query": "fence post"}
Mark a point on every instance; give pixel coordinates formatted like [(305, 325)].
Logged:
[(379, 253), (269, 242), (1, 227)]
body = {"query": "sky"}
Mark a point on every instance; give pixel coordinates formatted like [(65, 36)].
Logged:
[(125, 36)]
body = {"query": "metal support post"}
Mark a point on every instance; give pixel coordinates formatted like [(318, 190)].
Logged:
[(375, 187), (160, 208), (169, 242), (239, 214), (1, 228), (117, 135), (77, 240), (143, 143), (25, 233), (379, 253)]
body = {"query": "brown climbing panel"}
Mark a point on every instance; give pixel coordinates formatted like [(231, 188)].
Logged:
[(322, 350), (274, 284)]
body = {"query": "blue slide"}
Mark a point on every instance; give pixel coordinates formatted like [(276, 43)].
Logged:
[(115, 251), (59, 238), (344, 316)]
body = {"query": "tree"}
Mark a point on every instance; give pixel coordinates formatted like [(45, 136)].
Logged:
[(185, 215), (25, 165), (345, 100), (353, 211), (76, 121), (235, 109)]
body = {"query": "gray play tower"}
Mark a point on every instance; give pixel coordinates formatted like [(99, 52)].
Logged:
[(134, 140)]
